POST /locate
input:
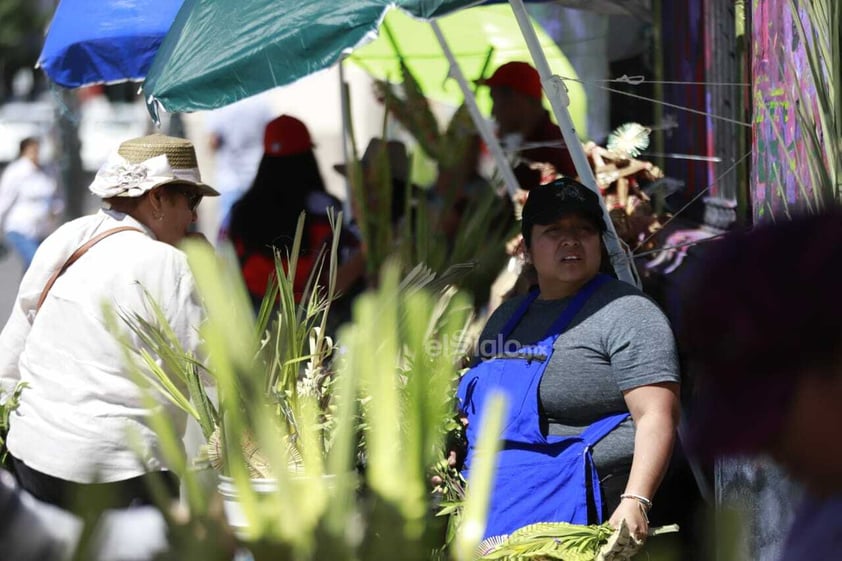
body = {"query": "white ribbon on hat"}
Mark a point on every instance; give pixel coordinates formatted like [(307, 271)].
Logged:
[(120, 178)]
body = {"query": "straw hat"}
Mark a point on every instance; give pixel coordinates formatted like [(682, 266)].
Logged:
[(141, 164)]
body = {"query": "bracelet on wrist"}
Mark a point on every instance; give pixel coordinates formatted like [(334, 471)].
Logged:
[(639, 498)]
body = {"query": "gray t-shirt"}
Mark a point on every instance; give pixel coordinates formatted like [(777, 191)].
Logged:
[(618, 341)]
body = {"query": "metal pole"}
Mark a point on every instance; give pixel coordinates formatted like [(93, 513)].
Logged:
[(68, 154), (557, 94), (347, 131), (483, 127)]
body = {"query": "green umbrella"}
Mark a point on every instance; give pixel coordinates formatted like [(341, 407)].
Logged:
[(480, 38), (220, 51)]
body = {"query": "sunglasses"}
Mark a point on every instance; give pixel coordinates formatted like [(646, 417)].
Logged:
[(193, 197)]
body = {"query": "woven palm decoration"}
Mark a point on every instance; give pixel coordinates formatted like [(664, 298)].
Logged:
[(629, 140), (256, 461)]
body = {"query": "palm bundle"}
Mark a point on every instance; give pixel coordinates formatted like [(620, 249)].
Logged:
[(549, 540), (567, 542), (277, 359), (454, 141), (476, 221), (412, 110)]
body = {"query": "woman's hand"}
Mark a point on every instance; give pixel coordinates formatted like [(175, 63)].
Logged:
[(634, 513), (436, 479)]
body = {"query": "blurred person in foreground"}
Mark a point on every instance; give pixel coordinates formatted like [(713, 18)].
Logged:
[(31, 530), (30, 204), (82, 427), (588, 365), (763, 334)]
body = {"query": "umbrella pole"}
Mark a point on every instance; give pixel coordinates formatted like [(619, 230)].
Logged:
[(347, 131), (481, 123), (557, 94)]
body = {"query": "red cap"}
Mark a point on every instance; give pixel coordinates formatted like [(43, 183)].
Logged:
[(517, 75), (286, 136)]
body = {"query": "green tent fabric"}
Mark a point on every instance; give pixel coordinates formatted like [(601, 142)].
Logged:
[(220, 51)]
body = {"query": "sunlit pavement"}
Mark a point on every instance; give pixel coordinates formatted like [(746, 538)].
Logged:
[(10, 274)]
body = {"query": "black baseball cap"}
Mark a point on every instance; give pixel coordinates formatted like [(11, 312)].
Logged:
[(547, 203)]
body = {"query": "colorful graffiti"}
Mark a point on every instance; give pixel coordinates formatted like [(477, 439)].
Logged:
[(781, 183)]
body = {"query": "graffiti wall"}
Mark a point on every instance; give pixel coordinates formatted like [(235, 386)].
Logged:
[(780, 182)]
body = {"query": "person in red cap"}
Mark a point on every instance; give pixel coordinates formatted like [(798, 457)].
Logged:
[(522, 120), (265, 218), (763, 335)]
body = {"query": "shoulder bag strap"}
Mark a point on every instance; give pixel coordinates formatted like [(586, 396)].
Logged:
[(76, 255)]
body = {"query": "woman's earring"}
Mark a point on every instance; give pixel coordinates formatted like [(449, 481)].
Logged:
[(159, 216)]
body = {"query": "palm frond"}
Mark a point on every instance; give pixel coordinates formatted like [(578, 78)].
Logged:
[(8, 403), (550, 540), (821, 39)]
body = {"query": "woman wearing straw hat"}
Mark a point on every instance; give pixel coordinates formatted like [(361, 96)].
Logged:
[(82, 424)]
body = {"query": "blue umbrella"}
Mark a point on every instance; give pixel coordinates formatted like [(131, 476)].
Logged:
[(105, 42)]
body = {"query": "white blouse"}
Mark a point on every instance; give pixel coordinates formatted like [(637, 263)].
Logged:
[(82, 417)]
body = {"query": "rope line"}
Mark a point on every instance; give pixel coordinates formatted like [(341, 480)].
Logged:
[(638, 79), (632, 80), (694, 199), (667, 104)]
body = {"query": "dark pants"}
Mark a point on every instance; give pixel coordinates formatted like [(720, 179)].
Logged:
[(73, 496)]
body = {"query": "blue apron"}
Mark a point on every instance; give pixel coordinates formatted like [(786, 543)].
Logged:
[(539, 478)]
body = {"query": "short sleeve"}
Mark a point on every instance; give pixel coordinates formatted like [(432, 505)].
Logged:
[(640, 344)]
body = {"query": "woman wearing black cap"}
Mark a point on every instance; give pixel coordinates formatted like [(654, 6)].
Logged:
[(588, 364)]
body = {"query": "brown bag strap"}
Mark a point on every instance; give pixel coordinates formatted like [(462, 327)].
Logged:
[(76, 255)]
